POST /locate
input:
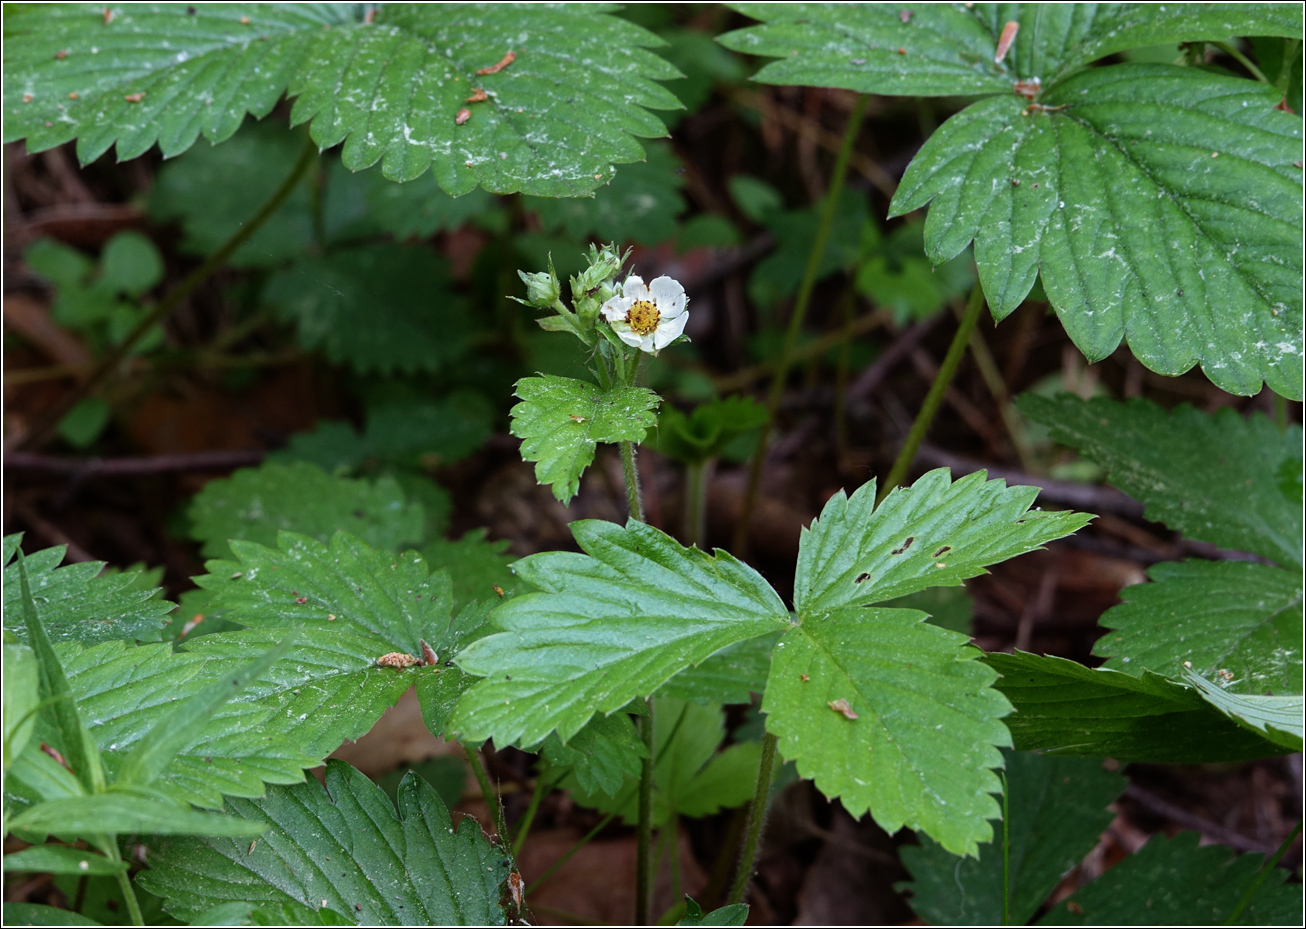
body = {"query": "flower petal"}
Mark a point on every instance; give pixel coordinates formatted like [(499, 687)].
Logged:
[(616, 308), (670, 330), (634, 288), (669, 295), (627, 335)]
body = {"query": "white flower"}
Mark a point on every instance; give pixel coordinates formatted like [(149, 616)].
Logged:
[(649, 318)]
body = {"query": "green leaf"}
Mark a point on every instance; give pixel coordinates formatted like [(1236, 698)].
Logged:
[(1173, 881), (891, 714), (638, 205), (77, 603), (439, 692), (935, 533), (345, 849), (602, 756), (1277, 718), (117, 813), (948, 607), (475, 566), (690, 777), (560, 420), (81, 426), (557, 116), (707, 431), (944, 50), (1058, 810), (605, 628), (732, 675), (212, 192), (21, 683), (59, 859), (1211, 477), (894, 274), (1062, 706), (1238, 620), (132, 264), (732, 915), (34, 775), (376, 308), (777, 276), (258, 503), (358, 204), (37, 914)]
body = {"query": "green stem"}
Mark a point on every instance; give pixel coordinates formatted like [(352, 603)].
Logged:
[(643, 873), (541, 788), (756, 820), (1284, 81), (491, 796), (1229, 49), (128, 892), (634, 505), (934, 398), (1250, 893), (797, 317), (1006, 851), (1280, 412), (173, 298), (585, 840), (696, 477)]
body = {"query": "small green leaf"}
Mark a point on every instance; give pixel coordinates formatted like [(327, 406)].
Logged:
[(117, 813), (734, 914), (777, 276), (38, 914), (891, 714), (345, 849), (83, 424), (935, 533), (1211, 477), (602, 756), (1064, 707), (1239, 621), (78, 602), (377, 308), (131, 263), (691, 777), (1058, 810), (1174, 882), (258, 503), (59, 859), (560, 420), (1276, 718), (605, 628), (21, 683), (707, 431)]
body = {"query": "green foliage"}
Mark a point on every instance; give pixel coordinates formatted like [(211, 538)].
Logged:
[(1065, 707), (732, 675), (601, 758), (1277, 718), (554, 120), (1173, 881), (606, 627), (38, 914), (21, 680), (376, 308), (690, 776), (893, 274), (949, 607), (59, 859), (77, 603), (82, 425), (1058, 810), (638, 205), (707, 432), (732, 915), (776, 277), (358, 204), (560, 420), (475, 565), (342, 849), (1078, 174), (258, 503)]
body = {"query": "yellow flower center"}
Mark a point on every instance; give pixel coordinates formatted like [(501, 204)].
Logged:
[(643, 318)]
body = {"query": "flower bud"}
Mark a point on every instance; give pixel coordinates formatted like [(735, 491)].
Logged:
[(542, 287)]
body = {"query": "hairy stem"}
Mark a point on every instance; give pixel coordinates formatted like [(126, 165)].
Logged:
[(796, 319), (634, 505), (934, 398), (696, 479), (643, 873), (756, 821), (173, 298), (491, 795)]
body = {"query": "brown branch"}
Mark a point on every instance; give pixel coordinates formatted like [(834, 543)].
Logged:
[(126, 467)]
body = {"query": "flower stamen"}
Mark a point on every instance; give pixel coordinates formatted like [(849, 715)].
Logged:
[(643, 318)]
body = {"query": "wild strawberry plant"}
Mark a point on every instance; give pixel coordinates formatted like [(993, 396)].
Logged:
[(1157, 204)]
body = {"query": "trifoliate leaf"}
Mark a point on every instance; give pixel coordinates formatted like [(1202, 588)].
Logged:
[(552, 96), (1238, 622), (258, 503), (376, 308), (732, 675), (560, 420), (1211, 477), (358, 204), (601, 757), (212, 192), (1277, 718), (1174, 882), (936, 533), (891, 714), (76, 604), (690, 776), (639, 205), (341, 848), (1064, 707), (605, 628), (1058, 810)]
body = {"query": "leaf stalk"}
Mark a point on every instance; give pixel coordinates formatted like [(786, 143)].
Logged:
[(756, 821)]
